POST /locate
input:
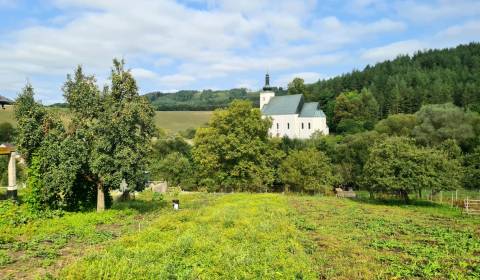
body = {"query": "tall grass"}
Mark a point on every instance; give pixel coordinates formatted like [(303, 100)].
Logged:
[(239, 236)]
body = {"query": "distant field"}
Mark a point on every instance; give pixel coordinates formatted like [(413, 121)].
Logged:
[(171, 121), (174, 121)]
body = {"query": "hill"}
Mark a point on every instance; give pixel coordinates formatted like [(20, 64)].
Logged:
[(171, 122), (406, 83), (205, 100)]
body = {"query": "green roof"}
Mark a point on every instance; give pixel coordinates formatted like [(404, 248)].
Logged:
[(283, 105), (292, 104), (311, 110)]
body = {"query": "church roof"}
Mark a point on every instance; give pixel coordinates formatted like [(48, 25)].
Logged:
[(292, 104), (283, 105), (311, 110)]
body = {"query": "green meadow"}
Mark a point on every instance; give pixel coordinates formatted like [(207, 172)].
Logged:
[(170, 121), (242, 236)]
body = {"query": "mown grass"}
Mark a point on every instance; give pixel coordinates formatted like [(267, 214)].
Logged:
[(170, 121), (238, 236), (361, 240)]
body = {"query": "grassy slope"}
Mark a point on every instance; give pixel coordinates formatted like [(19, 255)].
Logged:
[(247, 236), (170, 121)]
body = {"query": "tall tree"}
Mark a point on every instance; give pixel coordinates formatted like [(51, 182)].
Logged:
[(234, 151), (297, 86)]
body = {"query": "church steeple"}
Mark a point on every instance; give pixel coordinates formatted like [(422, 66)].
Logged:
[(267, 83)]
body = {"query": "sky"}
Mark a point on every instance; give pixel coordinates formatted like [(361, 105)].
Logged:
[(171, 45)]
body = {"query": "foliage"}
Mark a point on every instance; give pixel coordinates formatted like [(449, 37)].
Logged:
[(234, 152), (106, 140), (406, 83), (188, 133), (307, 171), (352, 154), (437, 123), (397, 125), (471, 178), (7, 132), (297, 86), (32, 123), (176, 169), (355, 111), (397, 166)]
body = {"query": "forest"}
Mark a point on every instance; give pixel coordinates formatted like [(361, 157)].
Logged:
[(406, 83)]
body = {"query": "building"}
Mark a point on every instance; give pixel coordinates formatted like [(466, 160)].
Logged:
[(291, 115)]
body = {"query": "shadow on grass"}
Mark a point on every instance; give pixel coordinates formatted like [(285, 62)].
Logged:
[(398, 202), (142, 206)]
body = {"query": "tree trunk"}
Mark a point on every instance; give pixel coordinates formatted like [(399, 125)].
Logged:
[(100, 198), (405, 196)]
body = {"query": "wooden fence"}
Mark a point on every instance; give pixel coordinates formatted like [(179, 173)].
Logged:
[(472, 206)]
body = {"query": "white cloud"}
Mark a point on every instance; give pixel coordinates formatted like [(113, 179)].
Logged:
[(308, 77), (392, 50), (437, 10)]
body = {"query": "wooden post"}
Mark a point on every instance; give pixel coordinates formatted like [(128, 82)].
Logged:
[(452, 200), (12, 177), (441, 196), (456, 194)]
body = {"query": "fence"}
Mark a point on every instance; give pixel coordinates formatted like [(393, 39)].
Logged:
[(472, 206)]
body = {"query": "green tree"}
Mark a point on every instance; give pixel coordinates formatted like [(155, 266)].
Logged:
[(297, 86), (307, 171), (397, 125), (355, 112), (234, 151), (30, 118), (471, 180), (437, 123), (398, 167), (7, 133), (176, 169), (353, 153)]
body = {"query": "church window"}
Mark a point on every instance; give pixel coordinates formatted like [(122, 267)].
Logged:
[(278, 126), (308, 125), (288, 125), (302, 125)]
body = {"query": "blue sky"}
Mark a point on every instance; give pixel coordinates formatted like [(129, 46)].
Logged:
[(217, 44)]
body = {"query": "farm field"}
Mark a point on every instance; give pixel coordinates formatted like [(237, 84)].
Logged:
[(170, 121), (243, 236)]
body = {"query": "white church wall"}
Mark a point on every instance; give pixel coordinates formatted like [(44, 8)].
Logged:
[(265, 97), (311, 125), (284, 125)]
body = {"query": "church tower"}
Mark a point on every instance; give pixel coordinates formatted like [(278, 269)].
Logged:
[(267, 92)]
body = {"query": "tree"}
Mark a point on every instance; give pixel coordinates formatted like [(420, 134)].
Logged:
[(7, 132), (307, 171), (353, 153), (176, 169), (471, 179), (30, 118), (397, 125), (397, 166), (297, 86), (437, 123), (106, 141), (355, 112), (234, 151)]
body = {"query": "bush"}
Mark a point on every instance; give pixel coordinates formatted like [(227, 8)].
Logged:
[(307, 171)]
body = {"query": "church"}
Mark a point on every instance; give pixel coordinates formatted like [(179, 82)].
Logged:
[(291, 115)]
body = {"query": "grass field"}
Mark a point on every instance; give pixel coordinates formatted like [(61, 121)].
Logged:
[(243, 236), (171, 121)]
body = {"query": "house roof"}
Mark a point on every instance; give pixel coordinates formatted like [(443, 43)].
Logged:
[(4, 100), (283, 105), (311, 110)]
